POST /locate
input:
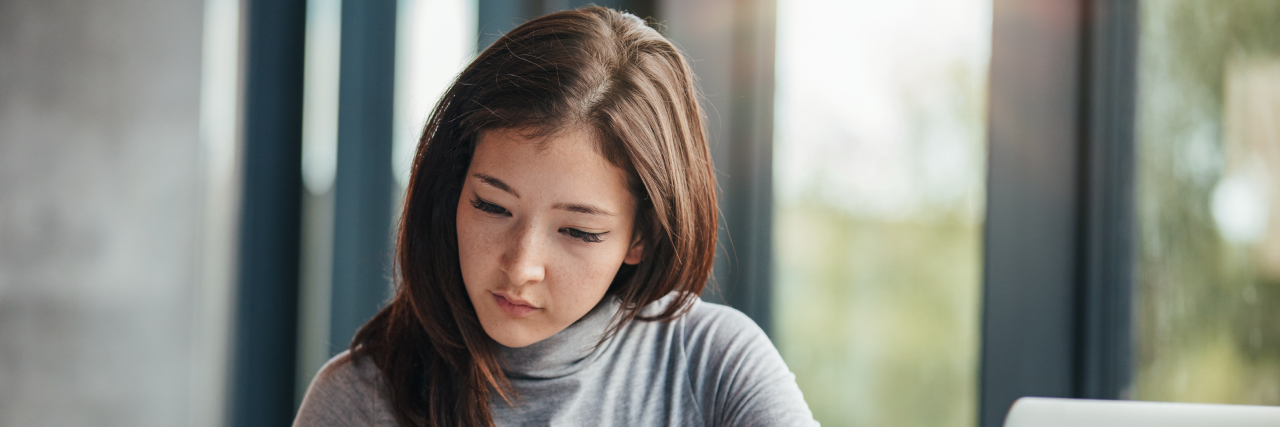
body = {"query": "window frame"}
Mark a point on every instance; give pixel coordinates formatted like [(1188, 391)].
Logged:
[(264, 343), (364, 184), (1058, 257)]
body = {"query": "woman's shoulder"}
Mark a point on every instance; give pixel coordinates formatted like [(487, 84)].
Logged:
[(347, 391), (709, 315), (708, 322), (712, 337), (735, 370)]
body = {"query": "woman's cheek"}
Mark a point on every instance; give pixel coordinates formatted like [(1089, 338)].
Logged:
[(598, 268), (476, 248)]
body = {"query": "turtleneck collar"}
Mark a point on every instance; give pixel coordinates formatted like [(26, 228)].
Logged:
[(564, 353)]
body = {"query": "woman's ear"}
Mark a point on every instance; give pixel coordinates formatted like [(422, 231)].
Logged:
[(635, 252)]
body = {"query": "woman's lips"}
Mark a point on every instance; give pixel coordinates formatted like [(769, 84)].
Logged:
[(514, 309)]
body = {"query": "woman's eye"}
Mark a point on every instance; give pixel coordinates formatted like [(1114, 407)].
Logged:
[(489, 208), (582, 235)]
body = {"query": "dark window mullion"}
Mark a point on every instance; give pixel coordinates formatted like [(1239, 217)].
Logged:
[(263, 365), (363, 185), (1030, 268), (1105, 353), (1058, 268)]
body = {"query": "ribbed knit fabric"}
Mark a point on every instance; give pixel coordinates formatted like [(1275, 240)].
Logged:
[(713, 367)]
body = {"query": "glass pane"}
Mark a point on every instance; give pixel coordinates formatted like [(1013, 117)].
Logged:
[(879, 176), (1208, 311), (319, 167), (436, 39)]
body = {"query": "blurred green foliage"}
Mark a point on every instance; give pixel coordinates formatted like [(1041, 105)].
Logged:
[(878, 318), (1207, 319)]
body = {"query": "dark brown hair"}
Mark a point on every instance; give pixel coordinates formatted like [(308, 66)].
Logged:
[(592, 68)]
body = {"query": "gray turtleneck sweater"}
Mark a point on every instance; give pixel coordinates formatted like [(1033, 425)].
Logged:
[(712, 367)]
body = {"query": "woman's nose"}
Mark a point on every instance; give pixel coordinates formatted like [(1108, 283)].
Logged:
[(524, 260)]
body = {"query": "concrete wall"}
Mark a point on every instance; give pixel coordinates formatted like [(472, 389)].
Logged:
[(101, 212)]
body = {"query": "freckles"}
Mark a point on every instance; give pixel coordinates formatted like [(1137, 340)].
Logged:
[(474, 235), (588, 275), (490, 244)]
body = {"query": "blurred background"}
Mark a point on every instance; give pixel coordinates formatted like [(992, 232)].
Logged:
[(931, 206)]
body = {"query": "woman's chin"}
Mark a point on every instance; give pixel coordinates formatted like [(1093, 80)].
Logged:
[(513, 336)]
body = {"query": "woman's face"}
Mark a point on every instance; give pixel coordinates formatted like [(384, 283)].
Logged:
[(542, 229)]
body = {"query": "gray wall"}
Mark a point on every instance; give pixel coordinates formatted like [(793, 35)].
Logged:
[(101, 211)]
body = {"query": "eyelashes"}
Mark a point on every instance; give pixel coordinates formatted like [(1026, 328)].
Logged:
[(492, 209), (582, 235), (489, 208)]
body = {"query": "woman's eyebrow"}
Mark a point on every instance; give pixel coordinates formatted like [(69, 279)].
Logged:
[(586, 209), (496, 183)]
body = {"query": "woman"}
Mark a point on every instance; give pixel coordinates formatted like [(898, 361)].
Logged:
[(559, 226)]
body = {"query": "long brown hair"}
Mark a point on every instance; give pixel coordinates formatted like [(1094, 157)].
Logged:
[(592, 67)]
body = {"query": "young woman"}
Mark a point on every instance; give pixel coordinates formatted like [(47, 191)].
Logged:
[(558, 228)]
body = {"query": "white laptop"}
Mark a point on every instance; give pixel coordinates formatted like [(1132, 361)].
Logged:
[(1053, 412)]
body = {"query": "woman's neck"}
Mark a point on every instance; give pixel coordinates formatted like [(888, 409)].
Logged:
[(564, 353)]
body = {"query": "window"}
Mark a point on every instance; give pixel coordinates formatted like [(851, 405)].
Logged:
[(879, 175), (347, 215), (435, 40), (1207, 320)]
